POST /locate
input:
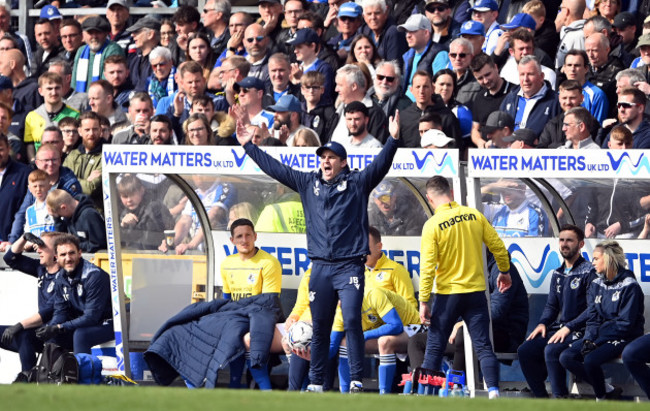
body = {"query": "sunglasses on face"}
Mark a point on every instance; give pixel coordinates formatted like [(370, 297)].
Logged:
[(625, 104), (433, 9), (258, 39), (313, 88), (389, 79), (459, 55), (347, 19)]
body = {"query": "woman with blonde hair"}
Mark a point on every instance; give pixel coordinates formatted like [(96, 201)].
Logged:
[(197, 131), (305, 138)]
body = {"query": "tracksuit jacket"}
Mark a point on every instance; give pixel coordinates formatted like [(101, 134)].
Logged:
[(545, 109), (335, 212)]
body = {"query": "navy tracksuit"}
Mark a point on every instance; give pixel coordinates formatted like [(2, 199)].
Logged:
[(82, 305), (615, 318), (567, 300), (25, 342), (635, 357), (336, 215)]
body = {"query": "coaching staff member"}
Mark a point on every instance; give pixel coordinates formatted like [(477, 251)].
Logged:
[(335, 201), (451, 254)]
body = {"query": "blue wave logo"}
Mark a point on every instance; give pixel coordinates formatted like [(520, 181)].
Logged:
[(626, 160), (446, 161), (550, 261), (240, 161)]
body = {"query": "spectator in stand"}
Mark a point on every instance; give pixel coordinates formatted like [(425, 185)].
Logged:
[(631, 106), (546, 35), (386, 92), (643, 61), (498, 126), (167, 33), (71, 38), (49, 46), (514, 215), (117, 14), (215, 17), (576, 67), (286, 121), (102, 102), (569, 23), (16, 144), (233, 69), (146, 37), (363, 50), (187, 20), (382, 29), (258, 51), (293, 10), (577, 129), (599, 24), (445, 29), (603, 67), (89, 60), (139, 115), (606, 8), (47, 114), (425, 100), (250, 91), (351, 86), (23, 43), (161, 130), (279, 69), (421, 51), (486, 13), (317, 114), (310, 20), (71, 140), (83, 318), (356, 120), (445, 86), (571, 96), (307, 46), (522, 43), (235, 46), (71, 97), (117, 73), (16, 118), (533, 90), (197, 131), (13, 189), (199, 50), (86, 161), (348, 22), (37, 220), (162, 82), (494, 90), (25, 90), (271, 17), (625, 25)]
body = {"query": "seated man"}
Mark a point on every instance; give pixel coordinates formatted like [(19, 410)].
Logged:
[(394, 211), (82, 314), (77, 216), (516, 217), (21, 337), (250, 272)]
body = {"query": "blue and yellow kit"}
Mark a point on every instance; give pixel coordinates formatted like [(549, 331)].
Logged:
[(245, 278), (392, 276)]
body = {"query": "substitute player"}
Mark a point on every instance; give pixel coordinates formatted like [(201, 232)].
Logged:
[(335, 202), (451, 254), (250, 272), (383, 317)]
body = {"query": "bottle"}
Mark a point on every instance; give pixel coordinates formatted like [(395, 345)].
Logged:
[(456, 391)]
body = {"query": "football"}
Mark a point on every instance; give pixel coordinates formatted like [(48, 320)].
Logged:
[(300, 335)]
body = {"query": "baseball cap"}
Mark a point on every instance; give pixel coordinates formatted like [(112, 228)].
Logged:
[(485, 5), (384, 191), (497, 120), (356, 107), (304, 36), (146, 22), (472, 28), (269, 1), (415, 22), (526, 135), (644, 40), (5, 83), (286, 103), (350, 9), (96, 23), (520, 20), (624, 19), (445, 2), (249, 82), (334, 147), (436, 138), (118, 2), (50, 12)]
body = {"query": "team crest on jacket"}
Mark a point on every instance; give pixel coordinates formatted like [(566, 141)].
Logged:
[(575, 283), (66, 294), (380, 276), (342, 186), (372, 318), (615, 296), (317, 188), (50, 287), (251, 279), (315, 122), (312, 296), (80, 289)]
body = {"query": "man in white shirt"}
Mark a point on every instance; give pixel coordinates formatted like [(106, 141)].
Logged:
[(356, 120)]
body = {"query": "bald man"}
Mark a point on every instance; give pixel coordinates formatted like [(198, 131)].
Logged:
[(25, 89), (569, 24), (258, 48), (603, 67)]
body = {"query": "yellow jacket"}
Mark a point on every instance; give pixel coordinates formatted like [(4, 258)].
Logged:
[(392, 276)]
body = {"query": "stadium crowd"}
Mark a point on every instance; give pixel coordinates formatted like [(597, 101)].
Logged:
[(570, 74)]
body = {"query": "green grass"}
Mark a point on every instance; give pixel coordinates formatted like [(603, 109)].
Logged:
[(83, 398)]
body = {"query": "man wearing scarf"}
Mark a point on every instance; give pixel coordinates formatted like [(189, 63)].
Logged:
[(89, 61)]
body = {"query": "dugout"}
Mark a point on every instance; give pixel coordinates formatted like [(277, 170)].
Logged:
[(149, 286)]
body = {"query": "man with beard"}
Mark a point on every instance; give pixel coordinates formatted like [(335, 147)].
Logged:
[(13, 188), (86, 161), (49, 46), (561, 321), (631, 106), (386, 91), (257, 47), (445, 28), (514, 216), (356, 121), (89, 61), (286, 119)]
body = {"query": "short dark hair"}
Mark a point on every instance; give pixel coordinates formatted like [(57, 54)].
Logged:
[(55, 129), (439, 185), (314, 18), (521, 34), (479, 61), (638, 96), (429, 116), (186, 15), (374, 233), (86, 115), (422, 73), (356, 107), (570, 227), (43, 21), (581, 53), (67, 239), (239, 223), (70, 22), (129, 184), (570, 85), (161, 118), (69, 121)]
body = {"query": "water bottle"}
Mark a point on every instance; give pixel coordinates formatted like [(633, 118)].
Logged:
[(456, 391)]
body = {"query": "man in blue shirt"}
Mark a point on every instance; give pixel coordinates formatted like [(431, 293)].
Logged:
[(422, 50), (576, 67)]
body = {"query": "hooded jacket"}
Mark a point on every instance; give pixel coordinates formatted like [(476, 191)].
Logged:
[(87, 224)]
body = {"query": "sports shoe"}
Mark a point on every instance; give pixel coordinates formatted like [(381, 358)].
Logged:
[(356, 387), (493, 394), (314, 388), (614, 394)]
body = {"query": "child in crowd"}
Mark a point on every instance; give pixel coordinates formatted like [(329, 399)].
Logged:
[(37, 220)]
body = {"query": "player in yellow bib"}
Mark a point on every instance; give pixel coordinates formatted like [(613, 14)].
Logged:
[(385, 273), (383, 317), (250, 272)]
